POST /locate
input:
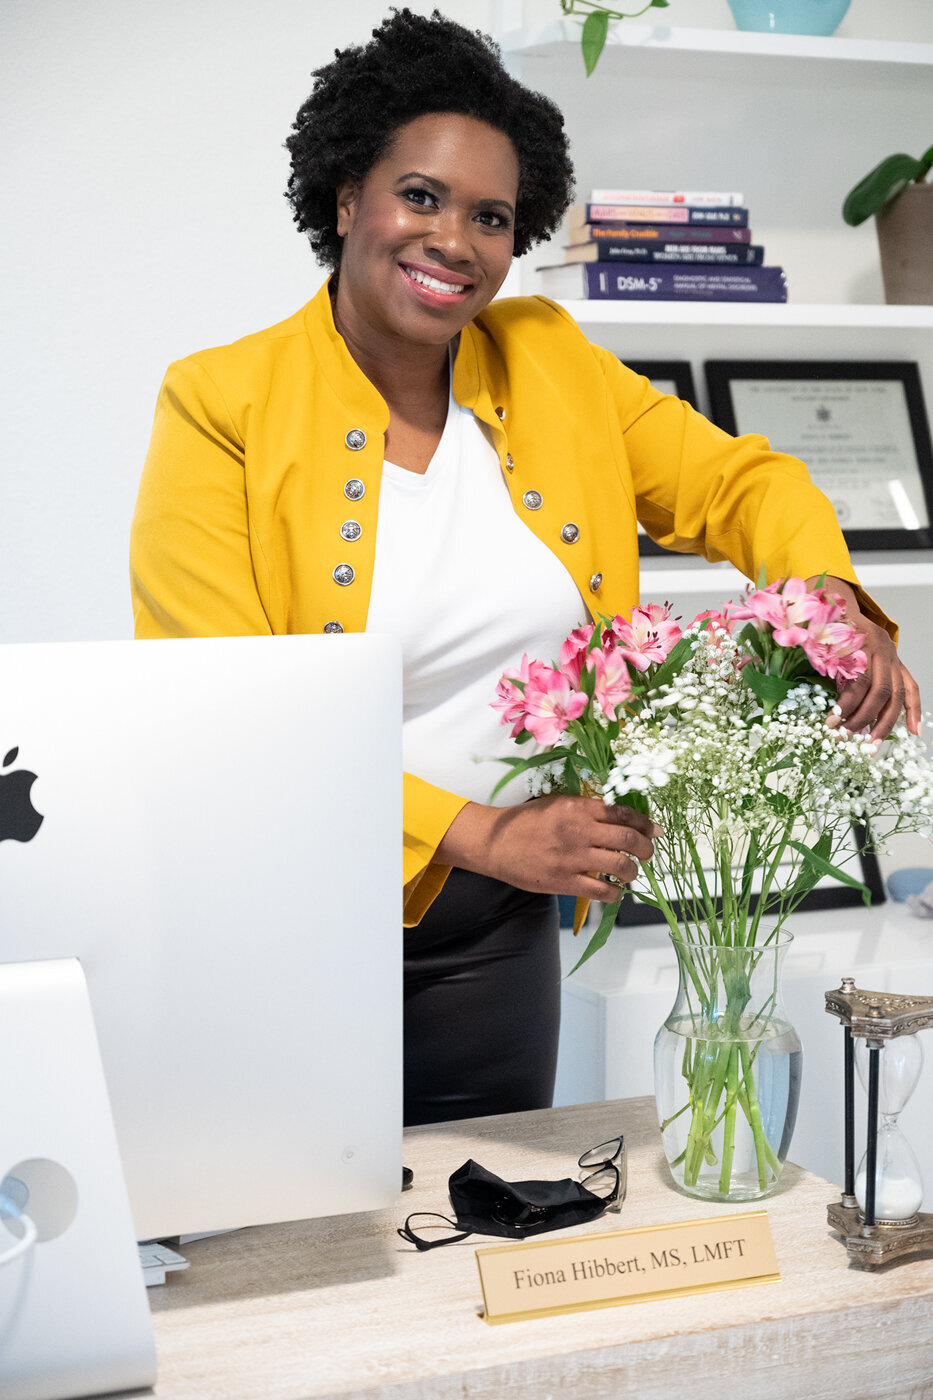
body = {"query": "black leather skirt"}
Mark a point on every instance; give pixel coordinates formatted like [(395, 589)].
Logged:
[(482, 1002)]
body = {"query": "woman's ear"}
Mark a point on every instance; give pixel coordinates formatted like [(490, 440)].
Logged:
[(347, 198)]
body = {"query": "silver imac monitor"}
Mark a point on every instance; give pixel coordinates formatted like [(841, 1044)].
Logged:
[(220, 846)]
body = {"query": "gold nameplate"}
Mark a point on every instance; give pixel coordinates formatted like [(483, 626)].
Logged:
[(539, 1278)]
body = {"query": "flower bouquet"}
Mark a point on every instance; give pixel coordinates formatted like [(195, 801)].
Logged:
[(728, 735)]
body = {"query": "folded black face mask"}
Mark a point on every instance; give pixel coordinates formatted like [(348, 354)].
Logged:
[(485, 1204)]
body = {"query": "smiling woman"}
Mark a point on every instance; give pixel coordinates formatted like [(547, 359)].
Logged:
[(406, 454), (427, 242)]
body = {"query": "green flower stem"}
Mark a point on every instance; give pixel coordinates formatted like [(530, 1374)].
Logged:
[(674, 1116), (719, 1074), (728, 1136), (754, 1117), (572, 7)]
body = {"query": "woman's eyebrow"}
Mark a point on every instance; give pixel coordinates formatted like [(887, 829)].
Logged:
[(445, 189)]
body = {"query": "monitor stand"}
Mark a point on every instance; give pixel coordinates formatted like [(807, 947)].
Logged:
[(74, 1317)]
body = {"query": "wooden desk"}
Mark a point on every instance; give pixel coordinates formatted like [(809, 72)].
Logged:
[(342, 1307)]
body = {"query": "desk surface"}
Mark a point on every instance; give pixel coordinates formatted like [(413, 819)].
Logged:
[(343, 1307)]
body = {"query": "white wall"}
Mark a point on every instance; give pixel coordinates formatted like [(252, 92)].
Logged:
[(141, 172)]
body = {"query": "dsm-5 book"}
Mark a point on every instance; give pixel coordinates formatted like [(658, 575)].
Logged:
[(652, 282)]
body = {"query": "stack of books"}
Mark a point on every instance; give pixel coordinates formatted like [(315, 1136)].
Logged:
[(662, 245)]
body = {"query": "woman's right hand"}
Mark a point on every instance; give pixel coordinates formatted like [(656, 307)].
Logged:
[(552, 845)]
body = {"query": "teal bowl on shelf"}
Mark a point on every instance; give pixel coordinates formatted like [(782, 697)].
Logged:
[(789, 16)]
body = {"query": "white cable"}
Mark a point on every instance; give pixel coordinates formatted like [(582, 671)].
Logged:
[(30, 1232)]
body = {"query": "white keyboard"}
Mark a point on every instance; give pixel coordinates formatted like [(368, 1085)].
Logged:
[(157, 1260)]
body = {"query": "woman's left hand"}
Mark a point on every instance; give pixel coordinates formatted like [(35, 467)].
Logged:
[(875, 699)]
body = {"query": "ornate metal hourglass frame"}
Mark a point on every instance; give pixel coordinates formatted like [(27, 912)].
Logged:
[(877, 1018)]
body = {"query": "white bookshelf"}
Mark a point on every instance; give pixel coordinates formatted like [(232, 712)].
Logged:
[(793, 122), (842, 316), (564, 34)]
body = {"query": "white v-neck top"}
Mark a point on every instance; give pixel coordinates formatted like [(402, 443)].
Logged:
[(467, 588)]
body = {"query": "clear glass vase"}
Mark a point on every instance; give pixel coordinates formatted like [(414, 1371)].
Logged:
[(727, 1066)]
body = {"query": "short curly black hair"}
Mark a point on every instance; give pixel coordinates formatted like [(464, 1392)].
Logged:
[(414, 65)]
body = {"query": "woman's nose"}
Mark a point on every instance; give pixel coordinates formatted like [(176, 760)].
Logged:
[(449, 235)]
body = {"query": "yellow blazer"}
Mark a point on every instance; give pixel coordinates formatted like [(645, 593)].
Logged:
[(265, 452)]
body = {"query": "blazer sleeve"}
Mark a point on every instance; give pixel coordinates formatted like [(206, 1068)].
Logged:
[(198, 570), (699, 490)]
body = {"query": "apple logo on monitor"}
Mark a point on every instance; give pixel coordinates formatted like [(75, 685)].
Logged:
[(19, 820)]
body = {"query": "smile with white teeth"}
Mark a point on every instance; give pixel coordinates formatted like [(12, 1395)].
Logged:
[(433, 284)]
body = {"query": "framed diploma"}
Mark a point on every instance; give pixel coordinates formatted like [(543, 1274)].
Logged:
[(670, 377), (860, 427)]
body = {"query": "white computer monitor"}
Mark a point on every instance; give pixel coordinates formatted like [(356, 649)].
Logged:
[(220, 845)]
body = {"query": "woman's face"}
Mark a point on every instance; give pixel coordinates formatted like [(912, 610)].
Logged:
[(428, 234)]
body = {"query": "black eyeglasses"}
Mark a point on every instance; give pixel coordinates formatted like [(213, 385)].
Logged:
[(605, 1172), (516, 1211)]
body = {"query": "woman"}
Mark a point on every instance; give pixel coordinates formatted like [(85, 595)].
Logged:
[(403, 456)]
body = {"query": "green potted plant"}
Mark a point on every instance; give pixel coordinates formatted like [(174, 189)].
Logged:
[(596, 24), (900, 196)]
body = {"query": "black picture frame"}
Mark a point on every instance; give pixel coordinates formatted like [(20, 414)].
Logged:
[(672, 376), (827, 895), (721, 375)]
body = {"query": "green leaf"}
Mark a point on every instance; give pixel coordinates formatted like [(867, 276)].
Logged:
[(779, 804), (820, 863), (638, 802), (672, 663), (888, 179), (809, 875), (769, 689), (571, 778), (588, 681), (600, 937), (595, 29), (762, 577), (523, 765)]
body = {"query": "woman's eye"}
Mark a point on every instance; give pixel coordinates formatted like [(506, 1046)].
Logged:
[(490, 219), (418, 196)]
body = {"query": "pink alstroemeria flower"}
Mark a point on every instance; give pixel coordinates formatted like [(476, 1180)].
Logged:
[(716, 619), (648, 637), (613, 684), (785, 606), (511, 698), (573, 652), (833, 647), (550, 704)]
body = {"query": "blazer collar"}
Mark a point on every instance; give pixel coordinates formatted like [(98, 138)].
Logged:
[(474, 379)]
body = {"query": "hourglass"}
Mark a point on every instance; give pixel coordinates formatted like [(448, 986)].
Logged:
[(897, 1182), (878, 1216)]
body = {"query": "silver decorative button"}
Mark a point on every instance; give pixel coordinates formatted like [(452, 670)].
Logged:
[(509, 462), (344, 574), (351, 530), (500, 414), (354, 489), (355, 439), (332, 627), (570, 533), (595, 581), (533, 500)]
